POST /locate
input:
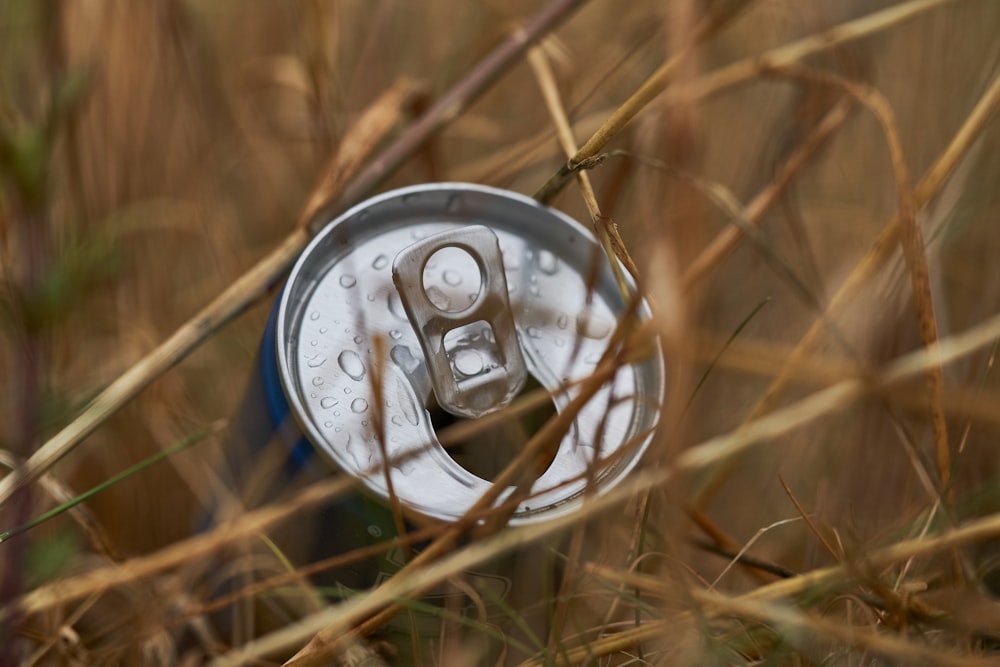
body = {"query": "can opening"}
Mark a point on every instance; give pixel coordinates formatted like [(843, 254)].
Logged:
[(489, 451)]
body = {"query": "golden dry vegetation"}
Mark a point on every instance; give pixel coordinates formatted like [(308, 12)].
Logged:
[(806, 190)]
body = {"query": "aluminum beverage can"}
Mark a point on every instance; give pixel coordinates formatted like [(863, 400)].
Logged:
[(476, 293)]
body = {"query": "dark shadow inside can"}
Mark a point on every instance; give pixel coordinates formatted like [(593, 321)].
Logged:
[(491, 449)]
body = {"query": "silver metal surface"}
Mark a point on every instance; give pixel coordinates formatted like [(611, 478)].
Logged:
[(470, 345), (340, 295)]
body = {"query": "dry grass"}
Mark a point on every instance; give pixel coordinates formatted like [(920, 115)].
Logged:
[(804, 189)]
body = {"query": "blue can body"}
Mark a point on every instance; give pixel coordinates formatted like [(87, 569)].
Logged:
[(266, 435)]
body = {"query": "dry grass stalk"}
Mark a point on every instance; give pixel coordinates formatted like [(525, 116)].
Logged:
[(913, 249), (722, 540), (768, 360), (248, 525), (72, 618), (835, 553), (803, 629), (331, 195), (253, 285), (614, 247), (85, 519), (646, 93), (750, 68), (732, 75), (520, 474), (423, 573), (357, 146), (881, 250), (753, 213), (376, 123), (824, 579), (707, 453), (446, 109), (887, 242), (605, 229)]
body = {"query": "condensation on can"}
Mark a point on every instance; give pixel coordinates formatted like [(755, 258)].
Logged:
[(315, 376)]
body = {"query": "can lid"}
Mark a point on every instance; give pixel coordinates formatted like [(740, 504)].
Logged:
[(495, 286)]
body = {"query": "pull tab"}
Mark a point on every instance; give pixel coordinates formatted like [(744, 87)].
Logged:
[(479, 368)]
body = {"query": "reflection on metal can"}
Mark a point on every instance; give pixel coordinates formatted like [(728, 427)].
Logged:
[(478, 295)]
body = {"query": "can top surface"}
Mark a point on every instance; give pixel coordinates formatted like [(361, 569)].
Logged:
[(340, 296)]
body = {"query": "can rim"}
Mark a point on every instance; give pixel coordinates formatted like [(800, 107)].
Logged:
[(287, 374)]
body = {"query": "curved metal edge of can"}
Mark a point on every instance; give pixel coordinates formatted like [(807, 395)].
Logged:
[(285, 307)]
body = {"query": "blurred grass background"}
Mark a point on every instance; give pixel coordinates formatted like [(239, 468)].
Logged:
[(155, 150)]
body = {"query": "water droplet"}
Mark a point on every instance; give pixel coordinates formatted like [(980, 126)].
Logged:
[(347, 390), (511, 262), (396, 421), (323, 330), (370, 296), (328, 424), (592, 358), (534, 332), (314, 315), (351, 364), (336, 413), (359, 405), (469, 363), (406, 402), (534, 290), (547, 262), (438, 298), (405, 466), (403, 357), (562, 321), (312, 395), (314, 342), (380, 262), (361, 457), (560, 342), (348, 281), (452, 278), (317, 381), (315, 360), (396, 307), (328, 402), (357, 340), (395, 334), (592, 326)]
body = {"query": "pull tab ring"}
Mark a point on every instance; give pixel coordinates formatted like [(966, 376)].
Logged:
[(482, 369)]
